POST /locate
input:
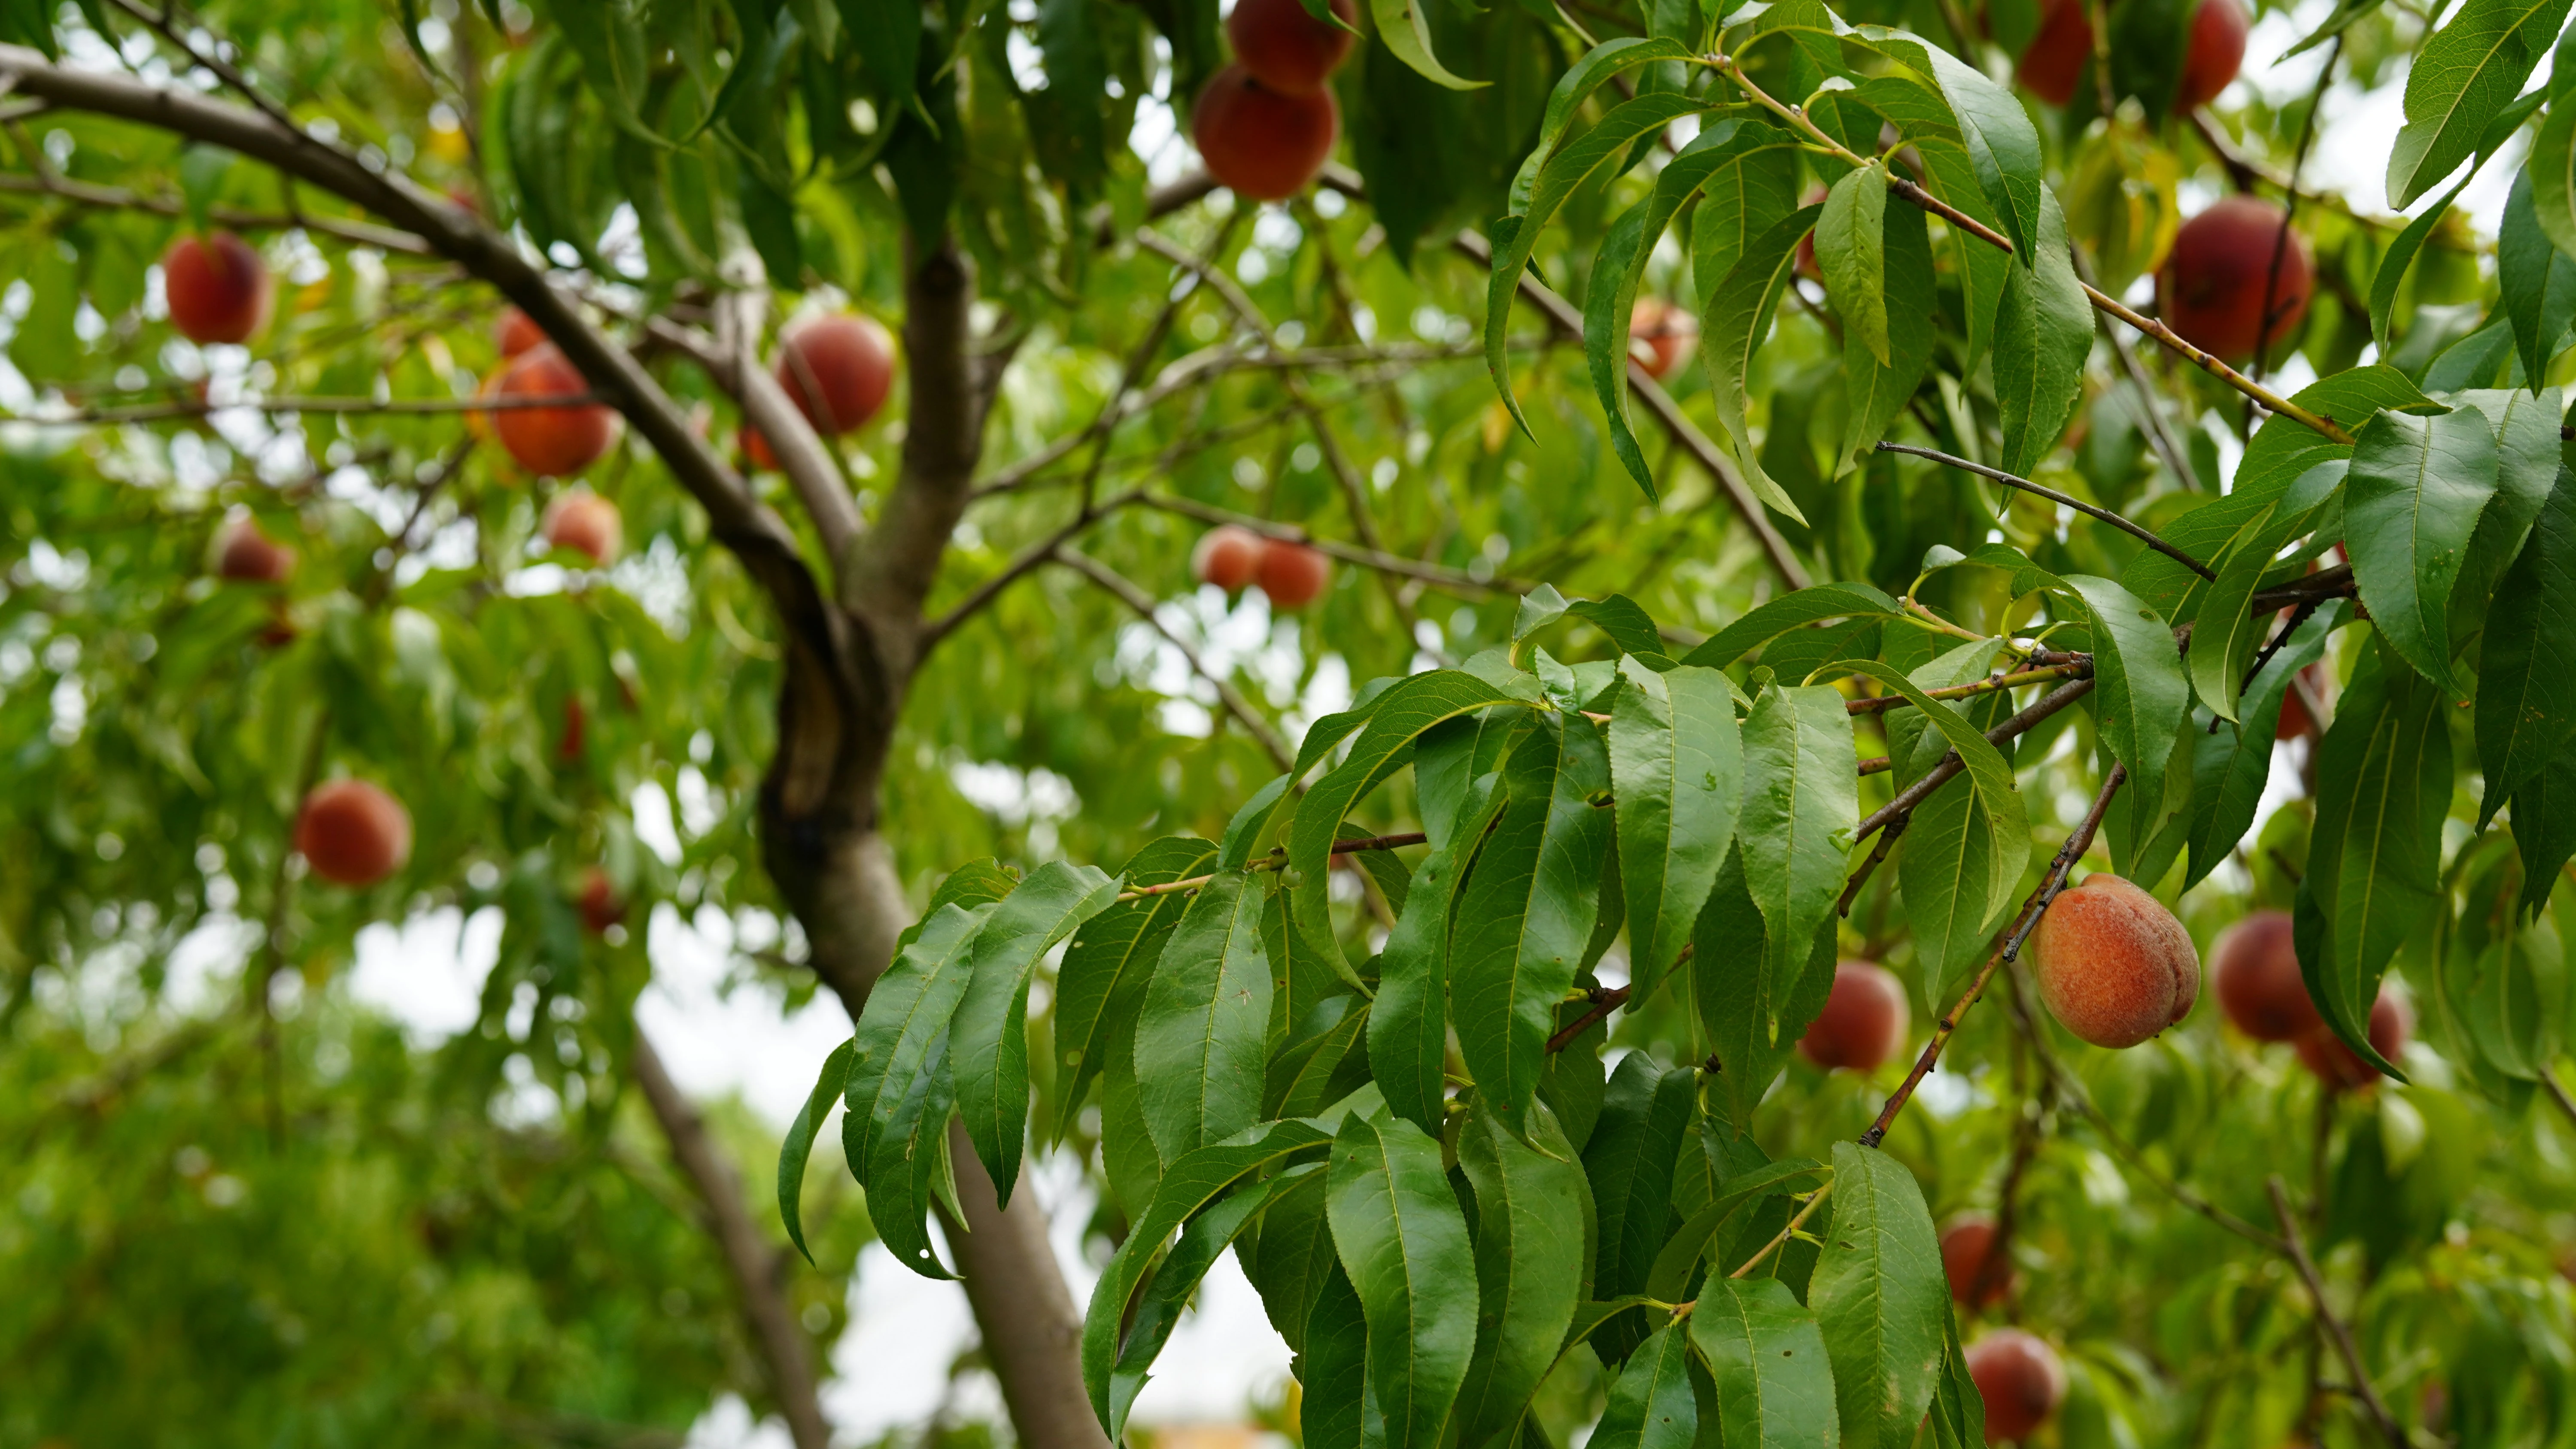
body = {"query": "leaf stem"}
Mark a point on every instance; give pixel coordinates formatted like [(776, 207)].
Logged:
[(2135, 530), (1885, 703), (2031, 911), (1277, 862), (1815, 1200)]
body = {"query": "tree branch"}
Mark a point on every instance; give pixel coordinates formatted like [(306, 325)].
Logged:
[(1902, 806), (113, 198), (2137, 531), (2031, 910), (1137, 599), (1392, 563), (751, 1260), (2362, 1388)]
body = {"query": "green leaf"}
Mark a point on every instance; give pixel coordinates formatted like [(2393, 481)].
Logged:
[(799, 1144), (1738, 318), (2228, 631), (1958, 1406), (1644, 1127), (887, 36), (1652, 1405), (2526, 710), (1100, 984), (2383, 786), (1408, 1032), (2466, 73), (1721, 150), (1326, 1064), (1794, 610), (2400, 255), (2004, 146), (990, 1038), (1290, 1257), (1880, 1298), (1989, 773), (2411, 503), (2043, 334), (1750, 1014), (1200, 1039), (2536, 283), (1176, 1279), (1339, 1408), (1195, 1180), (1766, 1354), (1533, 1230), (2140, 694), (1397, 720), (907, 1015), (1405, 31), (2232, 764), (1699, 1234), (1801, 805), (1851, 249), (1527, 911), (1595, 70), (2544, 825), (2551, 170), (1753, 185), (1878, 389), (1404, 1242), (1677, 770)]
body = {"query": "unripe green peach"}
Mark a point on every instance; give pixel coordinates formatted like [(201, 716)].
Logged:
[(2114, 965)]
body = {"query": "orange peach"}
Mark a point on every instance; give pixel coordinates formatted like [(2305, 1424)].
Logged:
[(1661, 336), (551, 442), (1227, 556), (516, 332), (2114, 965), (2255, 971), (837, 369), (217, 286), (584, 523), (1285, 48), (353, 833), (1292, 574), (2211, 289), (1264, 144)]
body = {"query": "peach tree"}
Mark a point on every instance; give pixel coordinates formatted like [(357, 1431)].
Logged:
[(1774, 524)]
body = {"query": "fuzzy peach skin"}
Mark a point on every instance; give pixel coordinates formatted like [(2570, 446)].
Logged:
[(2021, 1380), (2114, 965), (2255, 971), (1863, 1022)]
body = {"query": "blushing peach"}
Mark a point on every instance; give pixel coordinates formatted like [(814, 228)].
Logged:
[(2217, 51), (2114, 965), (1864, 1020), (551, 442), (2339, 1066), (1264, 144), (217, 286), (584, 523), (2054, 60), (1285, 48), (598, 903), (837, 369), (2255, 970), (246, 554), (1661, 336), (2021, 1380), (1965, 1246), (353, 833), (1227, 556), (1292, 574), (2211, 289), (516, 332)]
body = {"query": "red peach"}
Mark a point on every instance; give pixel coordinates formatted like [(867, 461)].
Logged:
[(2054, 60), (1292, 574), (516, 332), (1965, 1247), (2217, 49), (598, 903), (1661, 336), (1864, 1020), (584, 523), (2114, 965), (2339, 1066), (353, 833), (1227, 556), (551, 442), (218, 288), (754, 446), (2256, 974), (245, 554), (2211, 288), (1266, 145), (1285, 48), (2021, 1381), (837, 369)]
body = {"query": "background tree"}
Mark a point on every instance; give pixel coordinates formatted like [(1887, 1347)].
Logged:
[(308, 628)]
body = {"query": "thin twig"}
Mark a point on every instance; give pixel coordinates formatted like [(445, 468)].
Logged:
[(1869, 867), (1379, 559), (2362, 1389), (2557, 1091), (2290, 206), (1605, 1000), (1116, 584), (2031, 911), (113, 198), (193, 408), (1951, 764), (1815, 1200), (2135, 530), (1881, 704)]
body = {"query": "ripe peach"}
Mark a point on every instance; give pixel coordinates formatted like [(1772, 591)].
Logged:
[(2021, 1381), (1965, 1246), (245, 554), (1285, 48), (2211, 288), (1864, 1020), (756, 457), (1292, 574), (2256, 974), (1227, 556), (2339, 1066), (2217, 50), (2053, 62), (516, 332), (353, 833), (584, 523), (1661, 336), (2114, 965), (551, 442), (1266, 145), (218, 288), (837, 369), (598, 903), (2295, 722)]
